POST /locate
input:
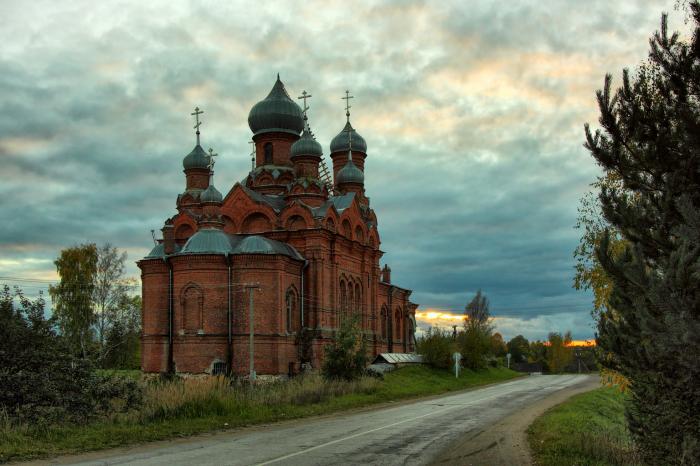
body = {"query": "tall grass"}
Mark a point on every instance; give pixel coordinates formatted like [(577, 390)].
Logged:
[(198, 397)]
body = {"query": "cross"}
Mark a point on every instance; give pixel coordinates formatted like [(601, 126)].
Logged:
[(211, 159), (347, 103), (252, 153), (196, 114), (305, 95)]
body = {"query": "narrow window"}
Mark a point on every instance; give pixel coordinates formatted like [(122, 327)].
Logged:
[(268, 153)]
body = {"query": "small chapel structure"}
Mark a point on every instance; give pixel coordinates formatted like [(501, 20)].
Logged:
[(258, 281)]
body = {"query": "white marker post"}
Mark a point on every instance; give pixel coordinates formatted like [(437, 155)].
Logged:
[(508, 358), (457, 358)]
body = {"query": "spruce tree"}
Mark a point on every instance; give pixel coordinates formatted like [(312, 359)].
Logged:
[(650, 140)]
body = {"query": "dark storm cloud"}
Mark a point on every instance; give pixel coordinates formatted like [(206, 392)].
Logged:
[(472, 113)]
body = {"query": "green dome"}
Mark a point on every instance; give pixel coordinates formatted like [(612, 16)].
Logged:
[(340, 142), (350, 174), (196, 159), (307, 145), (208, 241), (211, 194), (277, 112)]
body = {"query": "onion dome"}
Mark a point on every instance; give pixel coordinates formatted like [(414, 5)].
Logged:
[(277, 112), (211, 194), (340, 142), (196, 159), (350, 174), (306, 145)]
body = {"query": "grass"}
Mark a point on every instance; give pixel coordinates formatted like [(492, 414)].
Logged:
[(185, 407), (588, 429)]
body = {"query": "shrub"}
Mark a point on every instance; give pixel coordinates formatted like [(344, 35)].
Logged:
[(346, 356), (437, 347)]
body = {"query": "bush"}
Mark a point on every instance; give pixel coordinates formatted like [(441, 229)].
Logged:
[(475, 344), (437, 347), (346, 357), (40, 380)]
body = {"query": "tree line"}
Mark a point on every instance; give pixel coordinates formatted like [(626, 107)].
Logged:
[(480, 347)]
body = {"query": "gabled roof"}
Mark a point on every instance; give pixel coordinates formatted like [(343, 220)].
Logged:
[(277, 203), (340, 203), (399, 358)]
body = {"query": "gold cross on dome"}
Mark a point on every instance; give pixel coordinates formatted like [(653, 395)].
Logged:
[(305, 95)]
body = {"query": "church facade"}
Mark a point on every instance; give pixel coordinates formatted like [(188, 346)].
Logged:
[(261, 279)]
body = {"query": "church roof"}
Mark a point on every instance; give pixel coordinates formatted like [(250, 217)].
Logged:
[(276, 202), (276, 112), (350, 174), (340, 203), (158, 252), (260, 245), (209, 241), (196, 159), (215, 241), (340, 141)]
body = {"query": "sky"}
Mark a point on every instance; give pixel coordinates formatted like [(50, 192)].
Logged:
[(473, 114)]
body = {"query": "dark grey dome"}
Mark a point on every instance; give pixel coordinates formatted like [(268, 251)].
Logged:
[(208, 241), (350, 174), (277, 112), (260, 245), (306, 145), (158, 251), (340, 142), (196, 159), (211, 194)]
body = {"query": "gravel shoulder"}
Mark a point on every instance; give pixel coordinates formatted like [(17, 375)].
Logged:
[(505, 442)]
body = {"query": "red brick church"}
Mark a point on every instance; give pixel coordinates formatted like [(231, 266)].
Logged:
[(290, 246)]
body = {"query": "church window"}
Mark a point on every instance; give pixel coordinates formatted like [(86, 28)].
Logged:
[(343, 301), (383, 323), (192, 303), (398, 331), (293, 316), (268, 153)]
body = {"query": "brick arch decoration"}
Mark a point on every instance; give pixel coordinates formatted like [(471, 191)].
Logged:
[(359, 234), (346, 228), (332, 219), (192, 308), (256, 222), (373, 238), (296, 216), (342, 301), (183, 232), (229, 224)]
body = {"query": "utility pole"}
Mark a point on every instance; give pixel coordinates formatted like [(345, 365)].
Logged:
[(251, 287)]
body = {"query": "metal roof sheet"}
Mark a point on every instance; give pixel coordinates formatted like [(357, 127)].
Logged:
[(399, 358)]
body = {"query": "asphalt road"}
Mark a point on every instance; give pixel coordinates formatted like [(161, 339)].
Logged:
[(407, 434)]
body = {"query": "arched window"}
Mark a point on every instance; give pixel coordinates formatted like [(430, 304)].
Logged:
[(343, 301), (350, 305), (192, 305), (398, 334), (384, 323), (268, 153), (293, 315)]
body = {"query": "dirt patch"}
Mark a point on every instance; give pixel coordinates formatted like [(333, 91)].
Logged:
[(505, 443)]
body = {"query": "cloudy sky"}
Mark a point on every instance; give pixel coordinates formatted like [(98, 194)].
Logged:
[(473, 114)]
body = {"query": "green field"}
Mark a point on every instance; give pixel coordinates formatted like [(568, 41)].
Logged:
[(181, 408), (589, 429)]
